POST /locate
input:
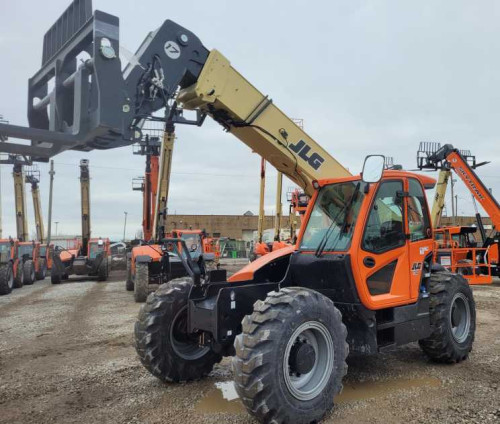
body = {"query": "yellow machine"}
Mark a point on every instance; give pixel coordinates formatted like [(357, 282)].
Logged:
[(160, 211), (20, 203)]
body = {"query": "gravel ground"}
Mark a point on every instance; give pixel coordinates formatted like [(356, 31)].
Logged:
[(67, 356)]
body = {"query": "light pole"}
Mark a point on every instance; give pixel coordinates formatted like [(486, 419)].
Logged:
[(125, 225), (57, 223)]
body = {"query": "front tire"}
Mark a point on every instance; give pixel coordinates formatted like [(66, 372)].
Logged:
[(453, 319), (102, 272), (291, 357), (55, 276), (29, 272), (6, 279), (42, 272), (141, 282), (161, 341)]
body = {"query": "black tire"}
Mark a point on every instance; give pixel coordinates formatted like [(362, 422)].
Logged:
[(6, 279), (269, 336), (42, 269), (102, 272), (29, 272), (19, 277), (163, 348), (129, 283), (465, 270), (55, 276), (141, 282), (451, 300)]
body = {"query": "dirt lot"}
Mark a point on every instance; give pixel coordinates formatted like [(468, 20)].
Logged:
[(67, 356)]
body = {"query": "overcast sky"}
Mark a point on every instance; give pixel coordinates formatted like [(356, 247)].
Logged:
[(367, 77)]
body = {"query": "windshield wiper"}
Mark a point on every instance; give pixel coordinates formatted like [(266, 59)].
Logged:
[(346, 209)]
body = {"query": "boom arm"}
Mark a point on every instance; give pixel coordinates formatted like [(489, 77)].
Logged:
[(33, 178), (108, 109), (20, 201), (446, 158), (439, 197)]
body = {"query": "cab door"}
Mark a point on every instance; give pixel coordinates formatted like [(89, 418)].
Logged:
[(383, 258), (420, 233)]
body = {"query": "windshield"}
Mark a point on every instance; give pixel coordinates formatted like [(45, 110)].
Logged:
[(43, 250), (95, 249), (68, 244), (329, 213), (193, 243), (25, 249), (5, 247)]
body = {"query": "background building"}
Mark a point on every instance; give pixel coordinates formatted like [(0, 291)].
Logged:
[(233, 226)]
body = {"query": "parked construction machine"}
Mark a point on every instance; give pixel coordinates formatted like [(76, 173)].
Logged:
[(478, 262), (360, 279), (145, 271), (92, 257), (11, 268)]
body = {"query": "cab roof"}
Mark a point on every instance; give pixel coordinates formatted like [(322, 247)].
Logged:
[(426, 181)]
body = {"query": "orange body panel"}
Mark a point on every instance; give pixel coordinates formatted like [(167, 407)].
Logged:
[(248, 271)]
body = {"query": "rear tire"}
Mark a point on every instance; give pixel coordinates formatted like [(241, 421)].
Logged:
[(291, 357), (129, 283), (42, 273), (19, 277), (141, 282), (6, 279), (29, 272), (161, 341), (453, 319)]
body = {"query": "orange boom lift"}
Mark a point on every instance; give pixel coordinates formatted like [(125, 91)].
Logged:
[(454, 247)]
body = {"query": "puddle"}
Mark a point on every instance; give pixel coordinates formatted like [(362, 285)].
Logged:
[(373, 389), (224, 399)]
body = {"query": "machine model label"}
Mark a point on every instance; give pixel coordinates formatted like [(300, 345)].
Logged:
[(302, 149), (172, 50), (416, 268), (471, 183)]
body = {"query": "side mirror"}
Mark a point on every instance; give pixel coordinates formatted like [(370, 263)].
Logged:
[(373, 168)]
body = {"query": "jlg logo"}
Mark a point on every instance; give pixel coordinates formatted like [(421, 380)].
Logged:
[(302, 149)]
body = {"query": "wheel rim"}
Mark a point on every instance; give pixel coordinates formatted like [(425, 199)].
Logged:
[(309, 385), (460, 318), (185, 346)]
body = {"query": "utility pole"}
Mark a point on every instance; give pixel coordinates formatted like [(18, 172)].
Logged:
[(49, 226), (456, 206), (1, 226), (125, 225), (453, 215), (57, 222)]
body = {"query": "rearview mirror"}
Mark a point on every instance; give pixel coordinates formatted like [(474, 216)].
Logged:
[(373, 168)]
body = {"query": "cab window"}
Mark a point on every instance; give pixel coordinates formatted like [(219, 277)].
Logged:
[(418, 218), (385, 230)]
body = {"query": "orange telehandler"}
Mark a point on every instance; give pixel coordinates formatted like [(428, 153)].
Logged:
[(93, 254), (476, 262), (360, 279)]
